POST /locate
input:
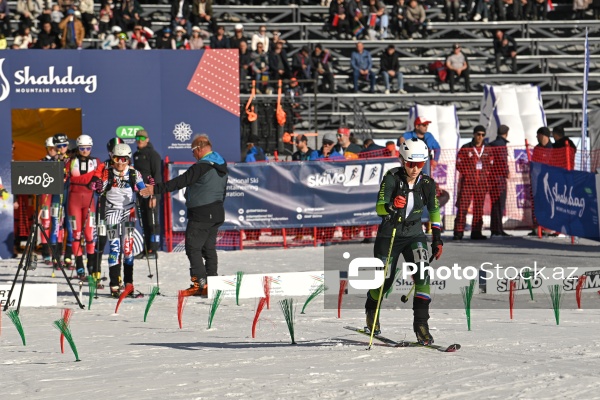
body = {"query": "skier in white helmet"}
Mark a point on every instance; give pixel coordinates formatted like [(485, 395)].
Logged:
[(404, 192)]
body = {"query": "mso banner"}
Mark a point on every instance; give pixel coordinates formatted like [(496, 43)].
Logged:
[(566, 201), (295, 194)]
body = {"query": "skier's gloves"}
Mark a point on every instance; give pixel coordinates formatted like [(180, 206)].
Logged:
[(95, 184), (400, 202), (437, 246), (150, 180)]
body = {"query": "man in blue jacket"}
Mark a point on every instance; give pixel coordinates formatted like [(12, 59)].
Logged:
[(420, 132), (362, 64), (205, 183)]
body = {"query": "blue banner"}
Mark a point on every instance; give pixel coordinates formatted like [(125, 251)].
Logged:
[(566, 201), (296, 194), (171, 94)]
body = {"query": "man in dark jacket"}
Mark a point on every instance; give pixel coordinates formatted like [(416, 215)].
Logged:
[(149, 163), (321, 65), (278, 65), (505, 47), (497, 183), (390, 69), (560, 142), (180, 14), (206, 184), (344, 145), (304, 152)]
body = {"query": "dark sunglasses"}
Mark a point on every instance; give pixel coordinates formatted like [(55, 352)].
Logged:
[(415, 164), (87, 148), (140, 138), (480, 134), (120, 159), (61, 146)]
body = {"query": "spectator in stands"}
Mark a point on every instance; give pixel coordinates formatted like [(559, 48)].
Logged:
[(277, 39), (219, 40), (260, 68), (355, 11), (86, 7), (5, 18), (140, 37), (122, 45), (398, 23), (131, 14), (260, 37), (47, 39), (3, 42), (451, 9), (164, 39), (293, 94), (580, 7), (112, 40), (56, 15), (362, 64), (390, 69), (458, 66), (198, 38), (498, 178), (421, 132), (391, 148), (537, 9), (378, 20), (304, 153), (474, 163), (65, 5), (181, 42), (202, 12), (245, 65), (180, 14), (72, 31), (327, 151), (301, 65), (370, 149), (106, 19), (321, 66), (339, 18), (253, 151), (238, 37), (415, 19), (560, 142), (344, 145), (505, 47), (29, 10), (483, 10), (23, 39), (278, 64)]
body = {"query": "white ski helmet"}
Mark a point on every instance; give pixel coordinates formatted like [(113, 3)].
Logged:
[(50, 141), (85, 140), (122, 150), (414, 150)]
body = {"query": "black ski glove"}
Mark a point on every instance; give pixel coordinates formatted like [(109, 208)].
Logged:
[(437, 246)]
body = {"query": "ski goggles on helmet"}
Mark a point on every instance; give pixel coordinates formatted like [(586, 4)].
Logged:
[(413, 164), (120, 159), (61, 145), (85, 148)]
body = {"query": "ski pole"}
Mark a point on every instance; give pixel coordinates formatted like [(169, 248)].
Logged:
[(385, 270), (139, 213), (405, 297), (153, 225)]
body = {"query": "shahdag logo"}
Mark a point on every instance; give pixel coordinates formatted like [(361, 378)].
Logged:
[(4, 85), (45, 83), (182, 132), (556, 199)]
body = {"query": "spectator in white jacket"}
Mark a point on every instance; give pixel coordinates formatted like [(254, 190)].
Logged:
[(261, 37)]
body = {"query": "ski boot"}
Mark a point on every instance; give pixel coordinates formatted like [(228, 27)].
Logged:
[(423, 335), (68, 258), (371, 323), (115, 291), (197, 288), (80, 268)]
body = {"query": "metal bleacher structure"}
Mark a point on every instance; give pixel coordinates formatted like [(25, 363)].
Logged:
[(550, 55)]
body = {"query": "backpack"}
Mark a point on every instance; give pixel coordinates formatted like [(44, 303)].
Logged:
[(438, 68)]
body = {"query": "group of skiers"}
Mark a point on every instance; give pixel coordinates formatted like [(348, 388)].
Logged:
[(98, 205)]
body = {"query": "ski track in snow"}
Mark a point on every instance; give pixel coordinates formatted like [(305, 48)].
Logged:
[(529, 357)]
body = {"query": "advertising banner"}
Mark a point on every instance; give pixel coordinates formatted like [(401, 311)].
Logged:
[(566, 201), (171, 94), (296, 194)]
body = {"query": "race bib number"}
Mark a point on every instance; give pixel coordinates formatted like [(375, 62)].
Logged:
[(479, 165), (420, 254)]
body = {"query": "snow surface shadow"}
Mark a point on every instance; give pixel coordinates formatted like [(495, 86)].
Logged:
[(249, 345)]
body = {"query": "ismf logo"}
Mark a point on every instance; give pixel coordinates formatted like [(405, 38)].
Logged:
[(4, 85), (521, 161), (523, 193)]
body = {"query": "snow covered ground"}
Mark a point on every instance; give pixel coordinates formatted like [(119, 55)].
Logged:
[(529, 357)]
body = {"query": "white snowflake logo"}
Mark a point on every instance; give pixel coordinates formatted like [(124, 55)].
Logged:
[(182, 132)]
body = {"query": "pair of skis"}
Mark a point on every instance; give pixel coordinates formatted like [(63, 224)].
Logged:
[(404, 343)]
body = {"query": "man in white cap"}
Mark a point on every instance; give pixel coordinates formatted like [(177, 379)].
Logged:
[(238, 36), (421, 132)]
